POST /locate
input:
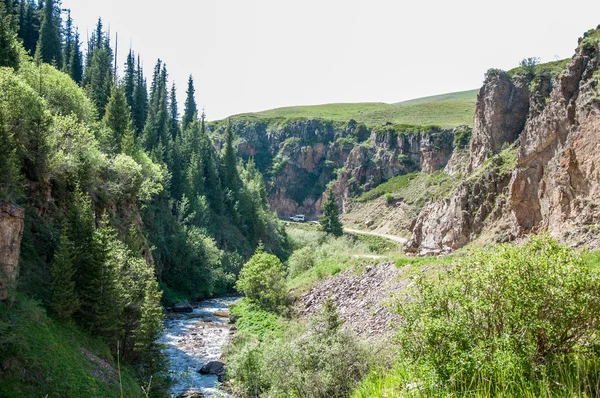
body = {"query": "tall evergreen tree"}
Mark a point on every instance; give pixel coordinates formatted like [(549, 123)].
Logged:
[(98, 77), (174, 114), (9, 52), (129, 80), (64, 301), (139, 108), (191, 110), (330, 219), (29, 25), (69, 40), (156, 136), (75, 67), (49, 48), (118, 119), (230, 176)]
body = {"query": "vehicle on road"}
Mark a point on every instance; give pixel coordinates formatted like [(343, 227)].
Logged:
[(298, 218)]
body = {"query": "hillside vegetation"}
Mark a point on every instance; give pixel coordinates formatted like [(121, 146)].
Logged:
[(447, 110)]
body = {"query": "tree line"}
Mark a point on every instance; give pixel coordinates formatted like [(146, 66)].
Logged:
[(129, 204)]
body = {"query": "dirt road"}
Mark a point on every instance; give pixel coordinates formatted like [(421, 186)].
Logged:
[(397, 239)]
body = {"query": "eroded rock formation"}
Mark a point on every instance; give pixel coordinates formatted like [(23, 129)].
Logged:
[(555, 184), (11, 230)]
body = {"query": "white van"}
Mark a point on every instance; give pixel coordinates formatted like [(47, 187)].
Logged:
[(298, 218)]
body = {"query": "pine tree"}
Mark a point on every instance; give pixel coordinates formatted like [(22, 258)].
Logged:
[(29, 25), (64, 301), (230, 174), (109, 305), (9, 52), (69, 40), (49, 47), (139, 109), (191, 110), (130, 79), (174, 114), (82, 229), (118, 118), (330, 219), (150, 327), (98, 77), (75, 68), (156, 130)]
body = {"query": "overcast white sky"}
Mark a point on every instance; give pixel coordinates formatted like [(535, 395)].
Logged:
[(252, 55)]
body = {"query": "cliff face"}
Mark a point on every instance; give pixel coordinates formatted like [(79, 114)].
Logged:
[(554, 185), (11, 230), (300, 157)]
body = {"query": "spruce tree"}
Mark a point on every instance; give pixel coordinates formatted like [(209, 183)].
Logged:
[(64, 301), (98, 77), (49, 48), (29, 26), (139, 108), (156, 130), (150, 326), (191, 110), (108, 308), (9, 52), (330, 219), (129, 79), (117, 118), (230, 174), (69, 40), (75, 68), (174, 114)]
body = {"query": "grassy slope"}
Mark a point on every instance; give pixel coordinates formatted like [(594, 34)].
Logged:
[(446, 110), (42, 357)]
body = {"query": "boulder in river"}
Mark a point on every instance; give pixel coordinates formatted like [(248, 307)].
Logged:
[(191, 394), (222, 314), (183, 306), (213, 368)]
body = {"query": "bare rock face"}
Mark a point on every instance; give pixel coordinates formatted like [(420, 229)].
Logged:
[(444, 226), (555, 186), (11, 230), (500, 115), (392, 155)]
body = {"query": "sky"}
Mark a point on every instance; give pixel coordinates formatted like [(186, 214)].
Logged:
[(253, 55)]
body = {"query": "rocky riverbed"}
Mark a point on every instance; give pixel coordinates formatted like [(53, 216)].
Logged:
[(195, 342)]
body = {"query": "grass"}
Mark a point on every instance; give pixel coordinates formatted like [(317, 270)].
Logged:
[(255, 321), (334, 255), (415, 189), (41, 357), (446, 111), (570, 379)]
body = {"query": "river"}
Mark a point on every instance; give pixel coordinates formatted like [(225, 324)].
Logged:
[(194, 339)]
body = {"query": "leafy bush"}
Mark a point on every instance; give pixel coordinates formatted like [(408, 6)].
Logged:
[(262, 280), (504, 315), (389, 198), (321, 359), (300, 261)]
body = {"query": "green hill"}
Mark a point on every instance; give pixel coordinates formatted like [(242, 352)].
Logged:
[(446, 110)]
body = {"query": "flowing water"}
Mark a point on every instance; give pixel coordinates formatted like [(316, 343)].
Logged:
[(194, 339)]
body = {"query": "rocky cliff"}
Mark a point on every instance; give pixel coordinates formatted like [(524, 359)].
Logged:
[(549, 117), (11, 230), (301, 157)]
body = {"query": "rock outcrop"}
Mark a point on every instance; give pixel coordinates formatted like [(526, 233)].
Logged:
[(299, 158), (11, 230), (554, 185), (500, 115)]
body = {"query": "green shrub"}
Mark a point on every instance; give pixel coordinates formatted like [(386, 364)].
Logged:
[(262, 280), (321, 359), (504, 315), (300, 261), (389, 198)]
